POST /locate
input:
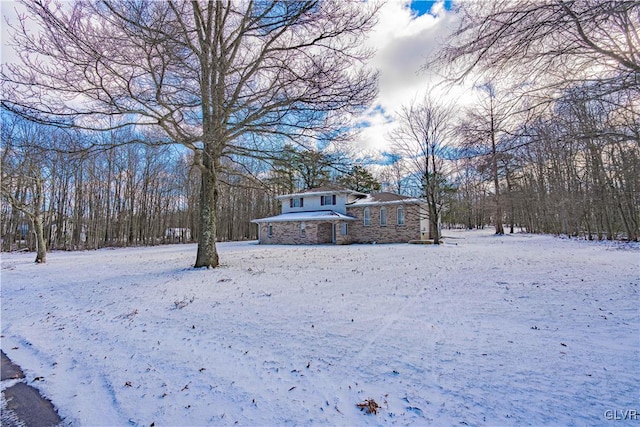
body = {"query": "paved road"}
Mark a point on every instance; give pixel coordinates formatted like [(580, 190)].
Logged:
[(22, 405)]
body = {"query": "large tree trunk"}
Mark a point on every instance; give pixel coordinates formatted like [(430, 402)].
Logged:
[(496, 178), (41, 249), (41, 254), (207, 253), (434, 229)]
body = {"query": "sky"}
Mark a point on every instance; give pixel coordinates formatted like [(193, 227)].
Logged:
[(406, 34)]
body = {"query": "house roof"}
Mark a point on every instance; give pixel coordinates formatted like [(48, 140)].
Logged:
[(384, 198), (321, 191), (306, 216)]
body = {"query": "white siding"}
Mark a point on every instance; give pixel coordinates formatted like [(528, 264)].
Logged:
[(312, 203), (424, 222)]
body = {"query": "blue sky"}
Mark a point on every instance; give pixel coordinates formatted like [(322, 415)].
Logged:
[(424, 6)]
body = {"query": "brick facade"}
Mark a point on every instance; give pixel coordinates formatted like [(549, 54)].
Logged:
[(392, 232), (336, 215), (315, 232)]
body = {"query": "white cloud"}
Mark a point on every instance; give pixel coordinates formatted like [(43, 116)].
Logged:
[(403, 42), (8, 9)]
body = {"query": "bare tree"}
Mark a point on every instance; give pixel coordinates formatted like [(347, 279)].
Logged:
[(549, 43), (422, 137), (579, 171), (220, 78), (571, 166), (22, 183), (487, 132), (392, 175), (468, 207)]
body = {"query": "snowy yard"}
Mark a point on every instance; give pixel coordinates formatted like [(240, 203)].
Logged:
[(484, 330)]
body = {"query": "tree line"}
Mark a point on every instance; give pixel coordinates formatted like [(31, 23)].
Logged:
[(132, 194), (116, 195), (574, 172)]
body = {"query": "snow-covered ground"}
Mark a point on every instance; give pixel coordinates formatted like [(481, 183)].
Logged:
[(484, 330)]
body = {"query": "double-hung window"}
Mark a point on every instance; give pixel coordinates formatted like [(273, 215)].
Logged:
[(400, 215), (367, 217), (296, 202), (345, 228), (383, 217), (328, 200)]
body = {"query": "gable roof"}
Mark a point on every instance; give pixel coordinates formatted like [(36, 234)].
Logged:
[(384, 198), (321, 191)]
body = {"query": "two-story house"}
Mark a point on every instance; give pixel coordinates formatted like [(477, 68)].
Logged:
[(340, 216)]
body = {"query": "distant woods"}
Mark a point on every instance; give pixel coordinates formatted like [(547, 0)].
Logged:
[(86, 192), (575, 172), (553, 145), (121, 195)]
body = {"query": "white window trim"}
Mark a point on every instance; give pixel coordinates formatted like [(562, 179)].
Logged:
[(398, 216), (383, 224), (366, 217), (330, 197)]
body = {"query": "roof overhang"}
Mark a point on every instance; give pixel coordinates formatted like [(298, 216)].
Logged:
[(317, 193), (370, 202), (306, 216)]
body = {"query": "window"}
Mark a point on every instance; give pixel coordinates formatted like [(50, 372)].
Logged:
[(400, 215), (345, 229), (367, 217), (303, 231), (383, 217), (328, 200), (270, 230), (297, 202)]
